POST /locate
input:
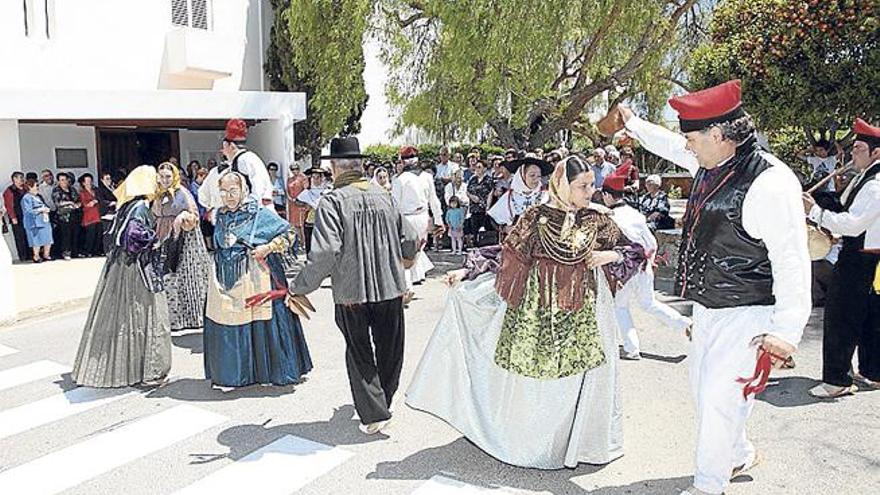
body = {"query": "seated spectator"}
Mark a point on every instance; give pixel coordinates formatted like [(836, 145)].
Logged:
[(655, 205)]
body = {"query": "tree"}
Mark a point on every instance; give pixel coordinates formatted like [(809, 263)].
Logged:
[(802, 63), (334, 107), (526, 68)]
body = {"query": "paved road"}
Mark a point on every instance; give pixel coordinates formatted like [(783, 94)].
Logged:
[(304, 439)]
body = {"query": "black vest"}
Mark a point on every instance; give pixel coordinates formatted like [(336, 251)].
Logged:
[(234, 168), (720, 265), (852, 244)]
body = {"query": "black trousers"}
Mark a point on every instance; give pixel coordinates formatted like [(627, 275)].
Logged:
[(21, 244), (852, 319), (91, 240), (307, 230), (66, 237), (373, 374), (823, 273), (472, 225)]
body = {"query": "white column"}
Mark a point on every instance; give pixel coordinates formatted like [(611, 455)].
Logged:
[(10, 161)]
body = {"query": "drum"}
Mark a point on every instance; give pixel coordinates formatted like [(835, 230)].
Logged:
[(819, 243)]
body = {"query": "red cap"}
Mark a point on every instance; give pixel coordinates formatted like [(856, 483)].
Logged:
[(614, 183), (867, 133), (697, 111), (236, 130), (408, 152)]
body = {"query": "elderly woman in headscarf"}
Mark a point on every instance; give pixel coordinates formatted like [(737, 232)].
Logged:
[(382, 178), (187, 264), (526, 189), (523, 361), (251, 334), (127, 337)]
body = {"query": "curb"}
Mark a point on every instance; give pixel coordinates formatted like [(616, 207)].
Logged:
[(46, 312)]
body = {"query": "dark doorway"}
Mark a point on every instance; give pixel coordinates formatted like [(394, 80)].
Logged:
[(121, 150)]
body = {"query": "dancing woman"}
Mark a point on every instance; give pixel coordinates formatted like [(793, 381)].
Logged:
[(127, 338), (524, 359), (250, 335), (187, 263)]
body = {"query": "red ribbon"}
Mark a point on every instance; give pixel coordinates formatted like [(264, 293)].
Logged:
[(758, 382), (279, 290)]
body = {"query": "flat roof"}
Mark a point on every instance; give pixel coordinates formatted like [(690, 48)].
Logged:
[(143, 105)]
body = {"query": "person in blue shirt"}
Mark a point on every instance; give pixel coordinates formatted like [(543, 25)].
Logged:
[(455, 220), (36, 222)]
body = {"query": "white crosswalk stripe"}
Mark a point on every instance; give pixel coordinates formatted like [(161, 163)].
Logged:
[(103, 452), (14, 377), (57, 407), (6, 351), (282, 467), (441, 485)]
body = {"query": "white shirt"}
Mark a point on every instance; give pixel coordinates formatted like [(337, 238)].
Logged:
[(312, 196), (461, 193), (863, 215), (446, 171), (825, 166), (784, 232), (248, 164), (413, 195), (634, 226)]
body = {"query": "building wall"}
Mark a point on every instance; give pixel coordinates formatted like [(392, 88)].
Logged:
[(121, 44), (38, 143), (196, 145)]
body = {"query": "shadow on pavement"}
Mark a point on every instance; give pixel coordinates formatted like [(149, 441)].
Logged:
[(66, 382), (340, 429), (198, 390), (463, 461), (670, 486), (790, 391), (664, 359), (192, 341)]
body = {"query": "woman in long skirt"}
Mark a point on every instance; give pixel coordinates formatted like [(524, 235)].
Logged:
[(187, 264), (524, 359), (251, 336), (127, 338)]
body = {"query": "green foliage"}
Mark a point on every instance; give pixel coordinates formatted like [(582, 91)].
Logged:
[(331, 75), (527, 68), (786, 143), (801, 62)]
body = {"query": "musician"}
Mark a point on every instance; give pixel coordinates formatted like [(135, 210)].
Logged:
[(747, 272), (852, 305)]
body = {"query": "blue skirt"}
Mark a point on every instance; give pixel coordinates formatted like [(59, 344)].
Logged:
[(39, 236), (266, 352)]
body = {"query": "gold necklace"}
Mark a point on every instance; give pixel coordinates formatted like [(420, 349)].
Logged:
[(568, 246)]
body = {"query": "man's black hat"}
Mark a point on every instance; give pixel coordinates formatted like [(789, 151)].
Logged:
[(346, 147), (545, 166)]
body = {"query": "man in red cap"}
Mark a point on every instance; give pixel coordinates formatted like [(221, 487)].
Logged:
[(639, 290), (852, 305), (238, 159), (418, 201), (743, 262)]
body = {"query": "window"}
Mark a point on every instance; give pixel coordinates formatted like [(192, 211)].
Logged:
[(39, 18), (71, 158), (191, 13)]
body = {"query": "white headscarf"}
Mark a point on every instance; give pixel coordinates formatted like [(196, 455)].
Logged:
[(518, 199)]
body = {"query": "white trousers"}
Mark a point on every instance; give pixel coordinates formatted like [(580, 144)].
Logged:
[(419, 222), (639, 291), (721, 352)]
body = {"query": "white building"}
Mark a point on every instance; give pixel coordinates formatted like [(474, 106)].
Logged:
[(106, 85)]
